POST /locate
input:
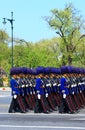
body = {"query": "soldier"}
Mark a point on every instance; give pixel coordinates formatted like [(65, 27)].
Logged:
[(15, 91), (26, 89), (66, 104), (41, 103), (54, 76), (49, 89), (22, 88), (15, 103)]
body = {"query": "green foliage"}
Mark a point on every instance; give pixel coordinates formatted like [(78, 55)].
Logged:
[(69, 26), (67, 48), (4, 38)]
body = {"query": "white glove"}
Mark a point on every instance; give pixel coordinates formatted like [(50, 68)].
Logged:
[(54, 84), (23, 86), (64, 95), (73, 93), (26, 85), (15, 96), (31, 92), (46, 94), (30, 85), (63, 91), (39, 96), (13, 92)]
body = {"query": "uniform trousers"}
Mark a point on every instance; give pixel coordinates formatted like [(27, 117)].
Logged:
[(13, 106)]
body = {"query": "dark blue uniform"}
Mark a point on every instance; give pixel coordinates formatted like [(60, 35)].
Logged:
[(15, 92)]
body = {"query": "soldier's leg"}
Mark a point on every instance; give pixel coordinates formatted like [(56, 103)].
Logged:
[(79, 99), (27, 102), (69, 105), (56, 99), (30, 100), (36, 109), (12, 106), (77, 102), (44, 105), (82, 98), (61, 107), (21, 104), (51, 103)]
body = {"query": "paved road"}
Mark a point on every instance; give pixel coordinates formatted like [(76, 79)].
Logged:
[(32, 121)]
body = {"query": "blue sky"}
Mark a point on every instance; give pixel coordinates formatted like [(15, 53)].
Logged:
[(28, 14)]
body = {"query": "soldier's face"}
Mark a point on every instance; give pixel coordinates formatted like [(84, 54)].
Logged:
[(14, 76)]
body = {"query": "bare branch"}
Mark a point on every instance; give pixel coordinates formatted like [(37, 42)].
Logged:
[(83, 36)]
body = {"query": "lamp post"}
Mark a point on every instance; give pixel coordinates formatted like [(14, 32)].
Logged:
[(11, 22)]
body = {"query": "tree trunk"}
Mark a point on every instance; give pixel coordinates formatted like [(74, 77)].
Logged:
[(69, 60)]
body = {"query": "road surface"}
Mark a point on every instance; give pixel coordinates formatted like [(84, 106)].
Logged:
[(32, 121)]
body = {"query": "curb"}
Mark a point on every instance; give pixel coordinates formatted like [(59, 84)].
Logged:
[(5, 89)]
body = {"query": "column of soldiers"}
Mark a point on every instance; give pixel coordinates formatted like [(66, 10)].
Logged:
[(47, 89)]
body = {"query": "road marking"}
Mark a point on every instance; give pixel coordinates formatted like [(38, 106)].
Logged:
[(4, 96), (43, 127), (42, 114), (78, 119), (4, 105)]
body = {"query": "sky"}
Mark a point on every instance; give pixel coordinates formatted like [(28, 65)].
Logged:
[(28, 15)]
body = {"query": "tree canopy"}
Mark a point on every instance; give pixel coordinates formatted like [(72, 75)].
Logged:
[(69, 26), (67, 48)]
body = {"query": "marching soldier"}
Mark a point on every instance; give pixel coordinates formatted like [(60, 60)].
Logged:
[(41, 103), (66, 103), (45, 89), (16, 99)]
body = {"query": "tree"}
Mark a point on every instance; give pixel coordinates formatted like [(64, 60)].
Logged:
[(4, 37), (69, 26), (4, 51), (80, 54), (46, 52)]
